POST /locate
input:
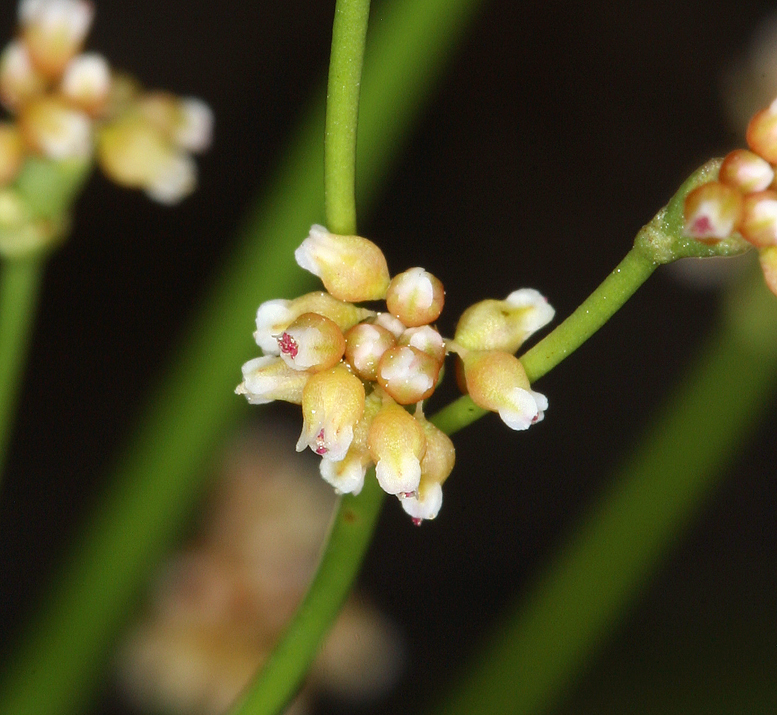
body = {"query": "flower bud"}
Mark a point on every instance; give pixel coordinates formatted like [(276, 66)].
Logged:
[(351, 267), (19, 80), (332, 404), (274, 316), (397, 443), (87, 82), (746, 171), (347, 475), (407, 374), (503, 324), (54, 31), (497, 381), (416, 297), (759, 218), (365, 344), (768, 260), (312, 342), (11, 152), (712, 212), (269, 378), (187, 123), (426, 339), (762, 133), (56, 130), (436, 465)]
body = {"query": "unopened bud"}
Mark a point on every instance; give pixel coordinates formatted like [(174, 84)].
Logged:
[(497, 381), (365, 344), (426, 339), (416, 297), (268, 378), (56, 130), (87, 82), (397, 444), (762, 133), (503, 324), (274, 316), (312, 342), (187, 123), (746, 171), (54, 31), (332, 404), (407, 374), (11, 152), (19, 80), (768, 260), (712, 212), (759, 218), (352, 268)]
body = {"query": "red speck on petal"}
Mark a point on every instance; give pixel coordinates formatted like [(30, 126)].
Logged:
[(288, 345), (321, 448), (701, 226), (417, 522)]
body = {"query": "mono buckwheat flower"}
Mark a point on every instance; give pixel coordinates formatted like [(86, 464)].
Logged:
[(268, 378), (415, 297), (87, 82), (55, 129), (408, 374), (312, 342), (351, 268), (712, 211)]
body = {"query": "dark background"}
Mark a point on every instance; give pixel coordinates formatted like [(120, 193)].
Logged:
[(559, 130)]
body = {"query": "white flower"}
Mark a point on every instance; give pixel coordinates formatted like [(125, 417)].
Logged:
[(268, 378)]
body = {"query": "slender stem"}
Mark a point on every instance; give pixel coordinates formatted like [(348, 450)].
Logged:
[(540, 648), (349, 33), (591, 315), (20, 280)]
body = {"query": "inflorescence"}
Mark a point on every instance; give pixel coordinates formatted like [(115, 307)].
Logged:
[(70, 105), (743, 200), (362, 376)]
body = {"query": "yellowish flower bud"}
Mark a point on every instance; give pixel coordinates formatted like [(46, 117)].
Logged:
[(768, 260), (312, 342), (365, 344), (11, 152), (746, 171), (712, 212), (397, 444), (347, 475), (762, 133), (503, 324), (187, 123), (55, 129), (759, 218), (87, 82), (19, 80), (351, 267), (416, 297), (274, 316), (497, 381), (269, 378), (332, 404), (436, 465), (407, 374), (54, 31), (426, 339)]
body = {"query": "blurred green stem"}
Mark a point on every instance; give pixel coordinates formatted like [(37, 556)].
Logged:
[(540, 648), (20, 280)]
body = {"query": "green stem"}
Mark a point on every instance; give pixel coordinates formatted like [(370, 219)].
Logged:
[(20, 280), (349, 34), (544, 644), (591, 315)]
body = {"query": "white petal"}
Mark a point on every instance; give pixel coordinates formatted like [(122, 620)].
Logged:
[(347, 476), (272, 319), (520, 409), (175, 179), (426, 505), (400, 479), (542, 312), (196, 131)]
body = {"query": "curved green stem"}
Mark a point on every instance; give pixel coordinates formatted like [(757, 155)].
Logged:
[(349, 34), (20, 280)]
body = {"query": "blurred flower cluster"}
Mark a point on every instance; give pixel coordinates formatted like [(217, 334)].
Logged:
[(69, 106), (743, 199), (358, 372), (219, 606)]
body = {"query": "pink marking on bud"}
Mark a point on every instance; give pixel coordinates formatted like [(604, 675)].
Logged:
[(701, 225), (288, 345), (407, 495), (321, 448)]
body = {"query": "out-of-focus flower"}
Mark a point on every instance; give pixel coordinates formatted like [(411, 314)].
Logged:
[(218, 607)]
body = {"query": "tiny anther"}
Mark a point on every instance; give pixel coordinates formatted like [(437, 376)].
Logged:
[(321, 448), (417, 522), (288, 345)]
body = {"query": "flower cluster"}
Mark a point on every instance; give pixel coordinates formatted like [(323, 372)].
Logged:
[(358, 372), (69, 104), (744, 198)]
